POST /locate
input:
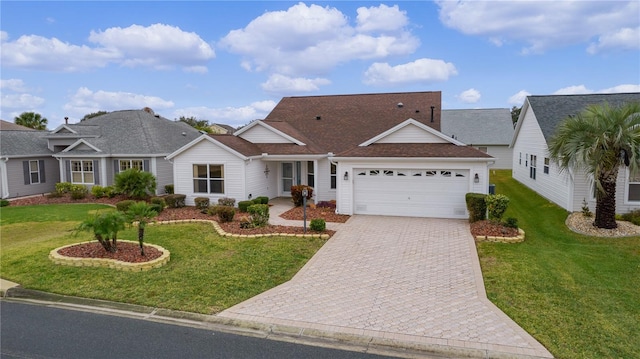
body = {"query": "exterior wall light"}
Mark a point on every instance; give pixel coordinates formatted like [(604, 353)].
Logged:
[(346, 176), (476, 179)]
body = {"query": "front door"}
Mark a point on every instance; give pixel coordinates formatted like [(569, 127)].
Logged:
[(287, 178)]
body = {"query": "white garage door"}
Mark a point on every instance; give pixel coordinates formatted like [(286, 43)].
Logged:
[(416, 193)]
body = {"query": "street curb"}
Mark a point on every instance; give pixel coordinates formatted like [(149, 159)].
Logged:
[(306, 336)]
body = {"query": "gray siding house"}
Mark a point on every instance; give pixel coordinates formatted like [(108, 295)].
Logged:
[(93, 151), (489, 130)]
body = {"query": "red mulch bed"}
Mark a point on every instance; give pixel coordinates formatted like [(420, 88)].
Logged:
[(127, 252), (328, 214), (493, 229)]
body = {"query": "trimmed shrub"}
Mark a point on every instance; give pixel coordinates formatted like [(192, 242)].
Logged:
[(168, 189), (476, 206), (245, 223), (511, 222), (225, 201), (213, 210), (79, 191), (318, 225), (156, 207), (4, 202), (225, 213), (202, 203), (63, 187), (326, 204), (175, 200), (263, 199), (98, 191), (259, 214), (256, 201), (496, 206), (135, 183), (55, 194), (123, 206), (158, 200), (244, 205), (296, 194), (633, 217)]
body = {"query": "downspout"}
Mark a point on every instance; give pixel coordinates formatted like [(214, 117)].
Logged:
[(4, 179)]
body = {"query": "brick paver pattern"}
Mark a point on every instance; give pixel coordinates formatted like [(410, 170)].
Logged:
[(414, 279)]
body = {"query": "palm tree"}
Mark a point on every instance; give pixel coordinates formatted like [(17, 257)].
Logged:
[(31, 120), (598, 141), (142, 213), (105, 228)]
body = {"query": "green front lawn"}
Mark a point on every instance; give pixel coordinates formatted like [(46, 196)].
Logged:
[(578, 295), (207, 273)]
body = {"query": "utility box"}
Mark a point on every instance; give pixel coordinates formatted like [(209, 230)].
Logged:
[(492, 189)]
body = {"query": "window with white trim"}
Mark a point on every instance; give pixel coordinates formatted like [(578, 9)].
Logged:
[(82, 172), (532, 169), (34, 172), (127, 164), (545, 169), (310, 174), (334, 177), (208, 178), (520, 159), (634, 186)]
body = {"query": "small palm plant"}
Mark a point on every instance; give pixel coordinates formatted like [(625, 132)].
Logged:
[(142, 213), (105, 228)]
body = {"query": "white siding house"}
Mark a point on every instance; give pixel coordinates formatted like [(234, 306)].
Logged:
[(532, 167)]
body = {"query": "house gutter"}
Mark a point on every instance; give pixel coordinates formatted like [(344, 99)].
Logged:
[(4, 179), (412, 159)]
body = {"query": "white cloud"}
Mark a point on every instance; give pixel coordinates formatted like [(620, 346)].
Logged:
[(21, 101), (573, 90), (310, 40), (470, 96), (419, 71), (157, 45), (288, 85), (626, 39), (86, 101), (15, 85), (518, 98), (232, 116), (626, 88), (542, 25)]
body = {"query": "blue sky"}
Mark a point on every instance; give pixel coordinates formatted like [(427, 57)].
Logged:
[(231, 61)]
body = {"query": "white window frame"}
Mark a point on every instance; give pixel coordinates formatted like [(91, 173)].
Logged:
[(333, 176), (631, 182), (546, 165), (311, 174), (84, 171), (532, 167), (124, 165), (32, 172), (208, 178)]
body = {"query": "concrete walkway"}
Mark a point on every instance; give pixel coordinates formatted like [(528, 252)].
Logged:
[(415, 281)]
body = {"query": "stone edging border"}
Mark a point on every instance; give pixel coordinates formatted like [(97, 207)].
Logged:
[(110, 263), (222, 232), (517, 239)]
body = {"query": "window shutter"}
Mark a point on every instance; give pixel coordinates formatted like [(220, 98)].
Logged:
[(116, 167), (145, 165), (96, 172), (67, 165), (25, 170), (41, 167)]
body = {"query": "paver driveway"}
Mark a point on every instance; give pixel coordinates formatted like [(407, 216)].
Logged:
[(413, 280)]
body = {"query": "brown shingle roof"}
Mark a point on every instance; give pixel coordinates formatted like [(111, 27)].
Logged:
[(10, 126), (255, 149), (338, 123), (414, 150)]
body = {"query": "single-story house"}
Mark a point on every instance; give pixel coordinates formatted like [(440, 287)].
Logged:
[(489, 130), (26, 165), (376, 154), (92, 151), (539, 118)]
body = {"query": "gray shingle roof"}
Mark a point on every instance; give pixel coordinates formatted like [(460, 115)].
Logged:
[(553, 109), (479, 126), (133, 132), (23, 143)]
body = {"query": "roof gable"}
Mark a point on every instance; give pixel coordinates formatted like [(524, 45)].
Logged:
[(63, 129), (262, 132), (81, 145), (410, 131)]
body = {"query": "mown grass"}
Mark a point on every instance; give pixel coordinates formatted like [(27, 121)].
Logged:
[(578, 295), (207, 273)]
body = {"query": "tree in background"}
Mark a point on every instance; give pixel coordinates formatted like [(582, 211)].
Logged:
[(31, 120), (201, 125), (598, 141), (94, 114), (515, 113)]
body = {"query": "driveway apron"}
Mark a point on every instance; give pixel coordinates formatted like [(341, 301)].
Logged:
[(412, 280)]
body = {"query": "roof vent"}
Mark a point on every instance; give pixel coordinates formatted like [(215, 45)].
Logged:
[(417, 111), (400, 105), (158, 116), (318, 118), (184, 133)]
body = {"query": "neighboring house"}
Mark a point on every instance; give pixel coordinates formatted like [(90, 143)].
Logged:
[(378, 154), (539, 118), (26, 165), (218, 128), (91, 152), (489, 130)]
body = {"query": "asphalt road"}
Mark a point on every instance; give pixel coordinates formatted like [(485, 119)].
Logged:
[(42, 332)]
